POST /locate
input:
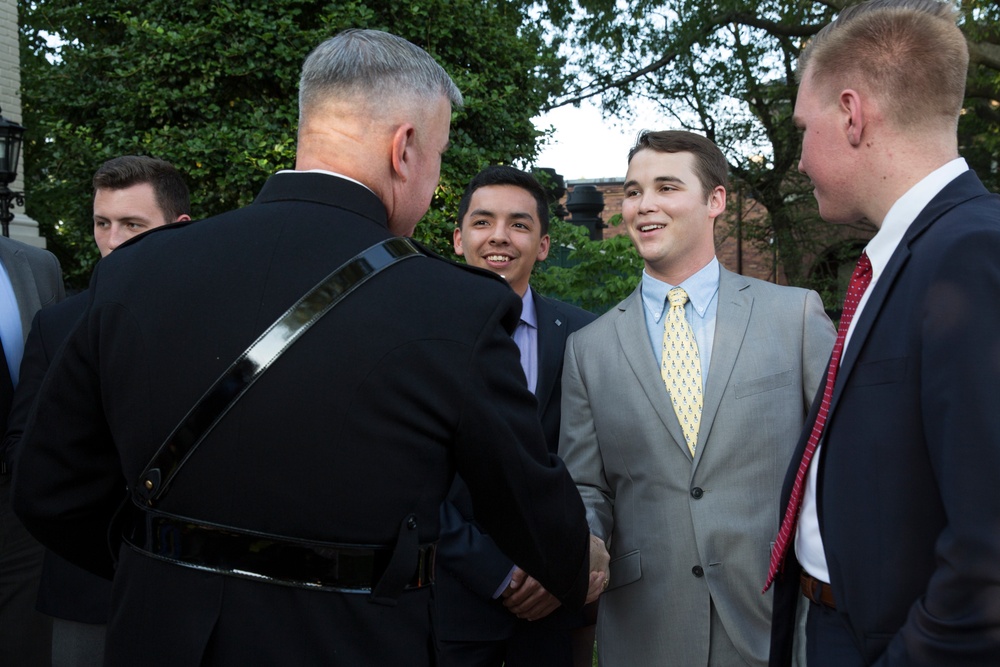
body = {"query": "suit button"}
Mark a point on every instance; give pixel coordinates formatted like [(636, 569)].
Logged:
[(697, 493), (697, 571)]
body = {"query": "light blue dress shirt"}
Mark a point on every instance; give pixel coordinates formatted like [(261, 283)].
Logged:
[(11, 333), (700, 311)]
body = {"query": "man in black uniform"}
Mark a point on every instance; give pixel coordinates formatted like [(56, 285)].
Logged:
[(291, 519)]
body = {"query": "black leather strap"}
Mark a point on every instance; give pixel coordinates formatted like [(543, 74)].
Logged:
[(227, 390), (384, 572)]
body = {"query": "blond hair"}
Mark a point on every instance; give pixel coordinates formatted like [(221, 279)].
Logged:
[(908, 54)]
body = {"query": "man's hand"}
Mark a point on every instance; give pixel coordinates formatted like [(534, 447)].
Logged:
[(600, 573), (528, 599)]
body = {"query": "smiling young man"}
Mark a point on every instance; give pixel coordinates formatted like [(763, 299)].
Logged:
[(680, 410), (490, 612)]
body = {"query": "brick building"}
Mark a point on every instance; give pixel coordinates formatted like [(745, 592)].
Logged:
[(746, 256)]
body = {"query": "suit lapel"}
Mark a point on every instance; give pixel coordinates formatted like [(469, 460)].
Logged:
[(964, 187), (634, 340), (552, 327), (731, 321)]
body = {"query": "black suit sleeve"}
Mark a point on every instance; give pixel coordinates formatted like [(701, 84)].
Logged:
[(497, 413), (465, 551), (84, 475)]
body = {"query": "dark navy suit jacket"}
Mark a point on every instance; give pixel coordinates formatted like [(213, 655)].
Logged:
[(65, 591), (907, 495)]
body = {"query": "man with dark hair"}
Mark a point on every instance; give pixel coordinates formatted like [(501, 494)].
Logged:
[(132, 194), (30, 279), (890, 505), (680, 407), (288, 412), (488, 610)]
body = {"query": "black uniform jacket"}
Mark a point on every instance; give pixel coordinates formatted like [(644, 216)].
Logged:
[(360, 423)]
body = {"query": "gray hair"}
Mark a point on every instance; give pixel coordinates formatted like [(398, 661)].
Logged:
[(374, 64)]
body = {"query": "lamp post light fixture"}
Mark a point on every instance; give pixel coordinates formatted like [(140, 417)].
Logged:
[(10, 150)]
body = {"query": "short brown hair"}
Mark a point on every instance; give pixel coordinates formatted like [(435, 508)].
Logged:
[(709, 163), (172, 196), (910, 54)]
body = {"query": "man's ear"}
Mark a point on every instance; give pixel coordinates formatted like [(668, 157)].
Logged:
[(543, 249), (716, 202), (184, 217), (457, 240), (853, 114), (402, 145)]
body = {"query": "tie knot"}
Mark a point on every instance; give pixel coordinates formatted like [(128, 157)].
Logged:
[(677, 296), (864, 264)]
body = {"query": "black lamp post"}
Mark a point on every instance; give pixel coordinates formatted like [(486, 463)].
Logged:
[(10, 150), (586, 202)]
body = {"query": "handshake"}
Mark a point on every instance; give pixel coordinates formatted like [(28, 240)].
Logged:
[(528, 599)]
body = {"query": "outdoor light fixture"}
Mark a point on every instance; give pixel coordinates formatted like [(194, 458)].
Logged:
[(10, 150)]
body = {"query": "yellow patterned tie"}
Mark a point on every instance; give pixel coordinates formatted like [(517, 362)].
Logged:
[(681, 367)]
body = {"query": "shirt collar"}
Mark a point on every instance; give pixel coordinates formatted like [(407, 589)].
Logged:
[(328, 173), (905, 211), (528, 315), (700, 287)]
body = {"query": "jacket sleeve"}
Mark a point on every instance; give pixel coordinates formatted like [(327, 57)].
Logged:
[(818, 336), (67, 483), (957, 619), (521, 494), (465, 551), (579, 448)]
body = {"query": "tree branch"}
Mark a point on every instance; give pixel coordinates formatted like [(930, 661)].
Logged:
[(741, 18), (984, 53)]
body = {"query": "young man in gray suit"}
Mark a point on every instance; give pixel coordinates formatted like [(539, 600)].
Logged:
[(680, 410)]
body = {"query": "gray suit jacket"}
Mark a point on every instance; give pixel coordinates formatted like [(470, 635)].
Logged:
[(35, 276), (686, 534), (36, 279)]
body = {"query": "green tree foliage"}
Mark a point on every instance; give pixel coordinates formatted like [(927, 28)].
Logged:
[(726, 69), (211, 86), (595, 275)]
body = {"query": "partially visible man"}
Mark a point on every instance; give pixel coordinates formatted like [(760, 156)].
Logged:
[(891, 506), (488, 610), (132, 194), (680, 409), (290, 516), (30, 279)]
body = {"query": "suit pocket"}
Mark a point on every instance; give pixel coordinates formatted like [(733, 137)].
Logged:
[(625, 570), (884, 371), (766, 383)]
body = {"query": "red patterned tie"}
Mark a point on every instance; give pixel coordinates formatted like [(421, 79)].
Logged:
[(859, 283)]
